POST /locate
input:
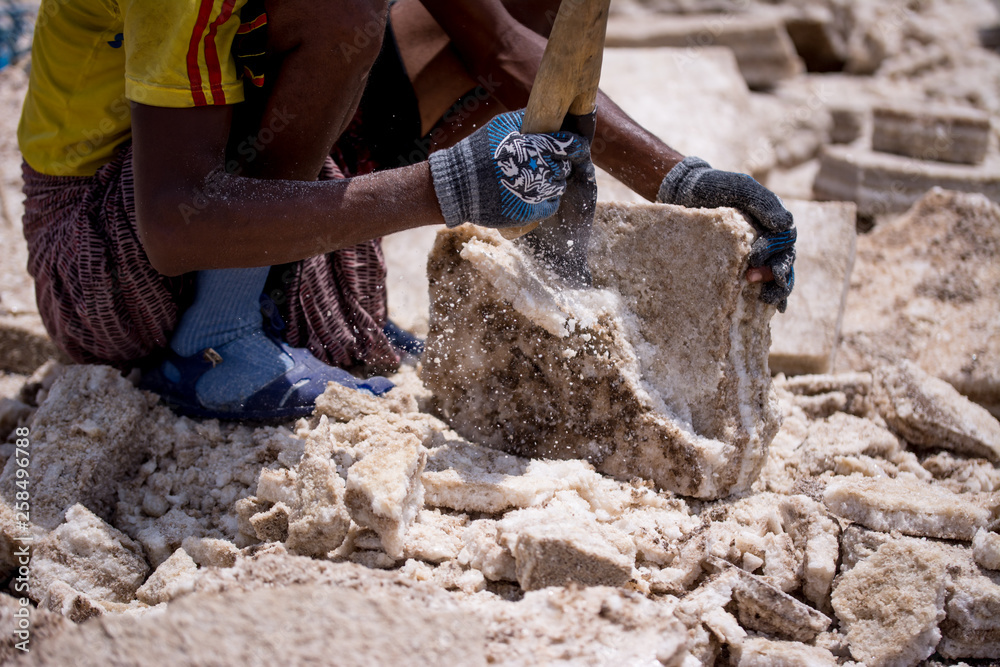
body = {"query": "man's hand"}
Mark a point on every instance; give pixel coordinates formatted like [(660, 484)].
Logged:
[(693, 183), (498, 177)]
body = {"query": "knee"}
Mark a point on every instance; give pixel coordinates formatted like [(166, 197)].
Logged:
[(343, 35)]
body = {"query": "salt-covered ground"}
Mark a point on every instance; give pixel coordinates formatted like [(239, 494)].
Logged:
[(374, 533)]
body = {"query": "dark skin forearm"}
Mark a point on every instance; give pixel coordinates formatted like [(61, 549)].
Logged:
[(508, 46), (192, 215)]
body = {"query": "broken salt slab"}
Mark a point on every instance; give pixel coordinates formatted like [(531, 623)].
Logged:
[(173, 578), (842, 434), (986, 547), (384, 492), (761, 652), (930, 413), (482, 551), (905, 504), (558, 554), (343, 404), (319, 521), (765, 608), (892, 603), (90, 556), (562, 542), (435, 537), (468, 478), (972, 626), (165, 534), (210, 552), (637, 397)]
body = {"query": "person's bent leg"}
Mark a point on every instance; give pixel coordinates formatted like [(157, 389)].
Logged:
[(224, 324), (223, 363)]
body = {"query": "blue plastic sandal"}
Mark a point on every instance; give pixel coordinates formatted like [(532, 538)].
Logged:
[(403, 340), (290, 396)]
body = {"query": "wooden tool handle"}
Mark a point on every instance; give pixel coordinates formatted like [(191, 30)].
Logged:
[(568, 75)]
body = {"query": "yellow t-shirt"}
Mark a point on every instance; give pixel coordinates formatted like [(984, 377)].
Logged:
[(90, 57)]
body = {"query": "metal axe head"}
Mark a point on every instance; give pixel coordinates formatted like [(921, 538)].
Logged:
[(561, 241)]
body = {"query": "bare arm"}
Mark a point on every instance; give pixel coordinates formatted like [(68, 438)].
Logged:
[(493, 43), (192, 215)]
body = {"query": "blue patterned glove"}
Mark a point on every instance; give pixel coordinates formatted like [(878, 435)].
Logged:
[(498, 177), (693, 183)]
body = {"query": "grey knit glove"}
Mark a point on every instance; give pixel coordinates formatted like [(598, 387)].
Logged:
[(498, 177), (693, 183)]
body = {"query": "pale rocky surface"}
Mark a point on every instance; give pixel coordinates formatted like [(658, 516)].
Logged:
[(695, 391), (153, 529), (491, 525), (926, 287)]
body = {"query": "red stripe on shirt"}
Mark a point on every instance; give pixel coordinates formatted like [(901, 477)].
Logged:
[(193, 68), (256, 80), (212, 54), (253, 25)]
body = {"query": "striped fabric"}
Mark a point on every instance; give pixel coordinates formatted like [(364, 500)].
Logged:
[(205, 31), (102, 302)]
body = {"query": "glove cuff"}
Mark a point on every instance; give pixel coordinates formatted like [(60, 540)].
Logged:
[(675, 188), (455, 179)]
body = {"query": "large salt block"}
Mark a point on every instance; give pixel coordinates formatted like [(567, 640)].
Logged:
[(884, 183), (658, 371), (942, 133), (762, 46), (705, 113), (805, 337), (930, 413)]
